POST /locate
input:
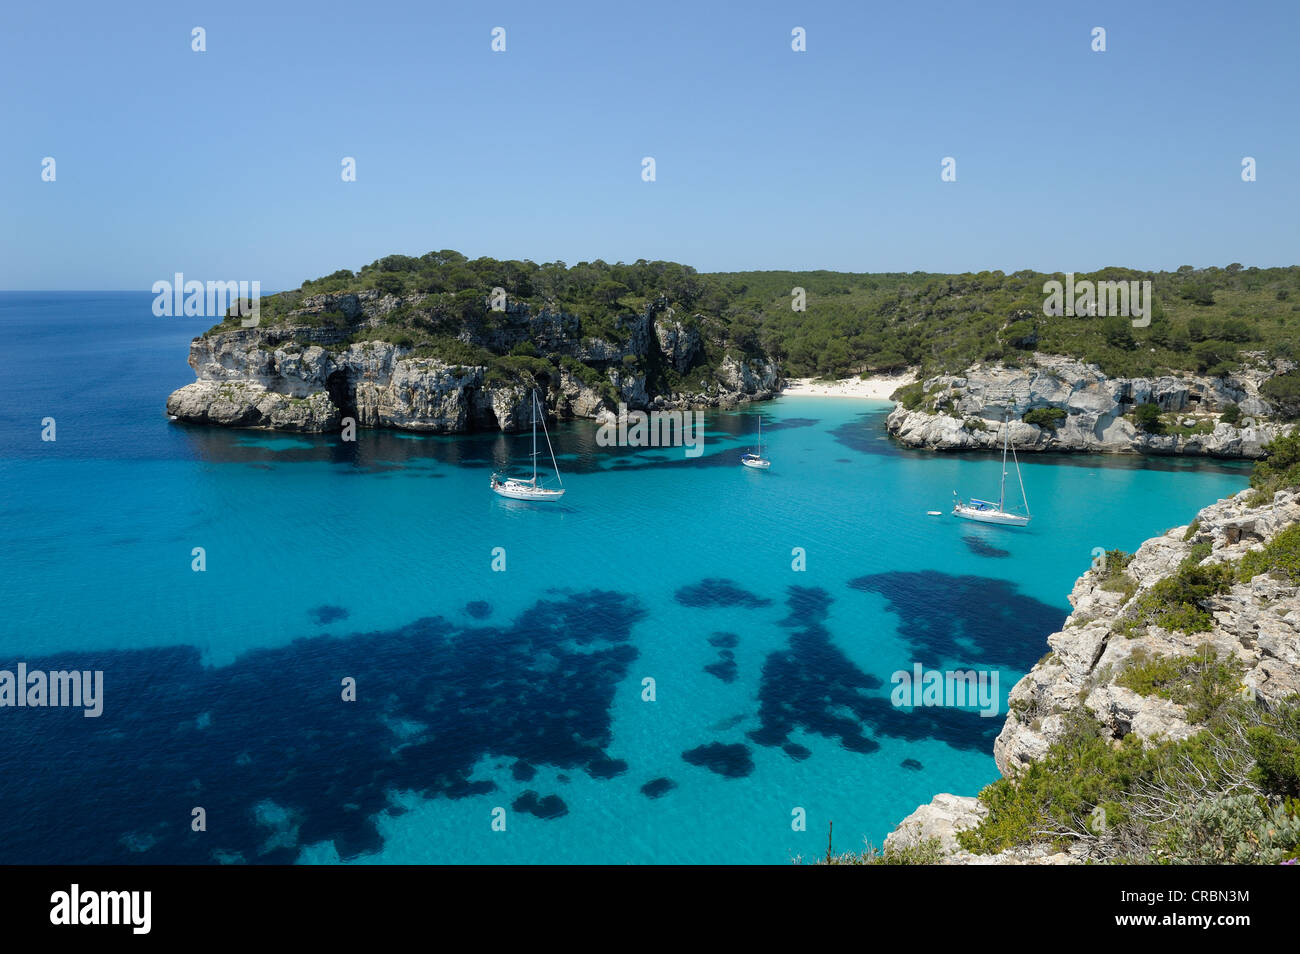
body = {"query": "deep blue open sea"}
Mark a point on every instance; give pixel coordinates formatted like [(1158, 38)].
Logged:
[(477, 690)]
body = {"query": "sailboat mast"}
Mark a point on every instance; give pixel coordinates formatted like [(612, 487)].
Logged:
[(1023, 495), (554, 465), (534, 395), (1002, 490)]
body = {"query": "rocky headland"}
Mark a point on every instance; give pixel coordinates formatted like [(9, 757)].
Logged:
[(336, 356), (1080, 409)]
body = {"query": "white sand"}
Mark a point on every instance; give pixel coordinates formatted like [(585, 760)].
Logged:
[(877, 387)]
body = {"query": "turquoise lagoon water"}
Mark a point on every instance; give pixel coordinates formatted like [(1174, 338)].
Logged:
[(520, 690)]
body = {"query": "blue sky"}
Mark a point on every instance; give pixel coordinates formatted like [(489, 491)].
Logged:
[(226, 164)]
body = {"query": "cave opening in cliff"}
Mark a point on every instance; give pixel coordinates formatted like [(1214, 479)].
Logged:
[(479, 410), (342, 392)]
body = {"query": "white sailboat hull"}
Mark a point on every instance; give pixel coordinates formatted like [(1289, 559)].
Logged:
[(519, 488), (757, 461), (985, 511), (1000, 517), (524, 490)]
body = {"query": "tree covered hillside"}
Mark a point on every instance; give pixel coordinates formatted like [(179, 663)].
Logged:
[(1211, 320), (1201, 319)]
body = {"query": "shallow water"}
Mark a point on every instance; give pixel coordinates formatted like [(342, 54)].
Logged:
[(521, 690)]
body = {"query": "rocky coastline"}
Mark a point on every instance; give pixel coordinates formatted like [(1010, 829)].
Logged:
[(1256, 622), (330, 360), (965, 411)]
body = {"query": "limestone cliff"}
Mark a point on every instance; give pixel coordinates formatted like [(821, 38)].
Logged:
[(1255, 621), (331, 358), (964, 412)]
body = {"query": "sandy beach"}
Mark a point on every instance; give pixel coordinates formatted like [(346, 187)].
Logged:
[(877, 387)]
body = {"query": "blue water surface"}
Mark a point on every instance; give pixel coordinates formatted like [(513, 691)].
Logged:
[(650, 679)]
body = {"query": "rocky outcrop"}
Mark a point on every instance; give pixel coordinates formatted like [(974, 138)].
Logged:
[(946, 815), (680, 344), (965, 412), (315, 368), (942, 817), (1256, 621)]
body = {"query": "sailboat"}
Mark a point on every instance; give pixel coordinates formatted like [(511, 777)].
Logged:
[(518, 488), (986, 511), (757, 461)]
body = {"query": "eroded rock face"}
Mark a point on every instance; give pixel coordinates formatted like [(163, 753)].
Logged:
[(1257, 622), (746, 377), (679, 344), (579, 399), (1094, 406), (245, 404), (306, 376), (248, 379)]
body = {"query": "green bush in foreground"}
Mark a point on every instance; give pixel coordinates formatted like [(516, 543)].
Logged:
[(1202, 683), (1280, 555), (1277, 754), (1175, 602), (1052, 799), (1203, 799), (928, 852), (1235, 830), (1112, 576)]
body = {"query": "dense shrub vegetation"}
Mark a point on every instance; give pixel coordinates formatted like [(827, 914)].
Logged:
[(1147, 417), (442, 308), (1177, 601), (1111, 573), (1280, 556), (1283, 392), (1202, 682), (1048, 418), (1201, 319), (1225, 795), (1280, 469)]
